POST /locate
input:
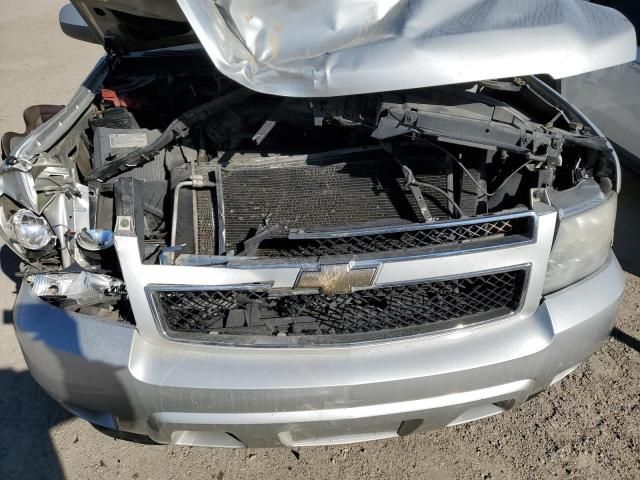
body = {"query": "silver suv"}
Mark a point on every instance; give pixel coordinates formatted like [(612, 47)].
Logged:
[(268, 224)]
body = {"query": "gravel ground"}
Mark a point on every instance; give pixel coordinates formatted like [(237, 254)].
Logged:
[(585, 427)]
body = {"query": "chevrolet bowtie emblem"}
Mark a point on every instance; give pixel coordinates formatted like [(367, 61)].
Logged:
[(334, 279)]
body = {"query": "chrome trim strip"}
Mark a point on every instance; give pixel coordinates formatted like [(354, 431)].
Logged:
[(363, 260), (413, 227)]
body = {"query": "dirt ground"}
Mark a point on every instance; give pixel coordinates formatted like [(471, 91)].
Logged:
[(588, 426)]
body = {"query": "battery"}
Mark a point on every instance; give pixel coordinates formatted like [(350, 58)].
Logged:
[(109, 143)]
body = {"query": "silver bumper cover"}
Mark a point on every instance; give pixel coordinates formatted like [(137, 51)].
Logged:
[(208, 395)]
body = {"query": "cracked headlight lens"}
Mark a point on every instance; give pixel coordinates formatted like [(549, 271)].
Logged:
[(582, 245), (30, 230)]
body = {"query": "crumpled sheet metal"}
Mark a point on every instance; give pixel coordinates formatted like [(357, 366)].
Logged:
[(306, 48)]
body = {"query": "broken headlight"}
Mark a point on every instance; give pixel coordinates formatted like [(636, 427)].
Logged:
[(582, 245), (30, 230), (77, 288), (95, 240)]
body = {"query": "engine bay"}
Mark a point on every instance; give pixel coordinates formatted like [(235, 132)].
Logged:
[(220, 173), (242, 166)]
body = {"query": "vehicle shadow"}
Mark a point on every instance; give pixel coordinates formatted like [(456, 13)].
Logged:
[(9, 264), (627, 232), (627, 339), (27, 414)]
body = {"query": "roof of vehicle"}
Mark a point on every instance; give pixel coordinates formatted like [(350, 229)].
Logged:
[(304, 48)]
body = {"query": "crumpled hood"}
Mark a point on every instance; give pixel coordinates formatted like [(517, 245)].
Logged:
[(339, 47)]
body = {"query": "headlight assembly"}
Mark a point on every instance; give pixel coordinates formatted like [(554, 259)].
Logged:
[(582, 245), (77, 289), (95, 240), (30, 230)]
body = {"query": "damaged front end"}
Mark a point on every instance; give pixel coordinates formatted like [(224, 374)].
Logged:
[(161, 160), (389, 241)]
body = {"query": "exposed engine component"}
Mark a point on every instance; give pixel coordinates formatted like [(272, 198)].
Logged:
[(215, 173), (108, 143), (266, 169), (243, 172)]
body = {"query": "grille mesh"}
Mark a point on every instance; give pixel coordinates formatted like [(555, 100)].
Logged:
[(389, 241), (438, 304)]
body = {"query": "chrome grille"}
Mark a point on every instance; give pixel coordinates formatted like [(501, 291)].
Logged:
[(392, 311)]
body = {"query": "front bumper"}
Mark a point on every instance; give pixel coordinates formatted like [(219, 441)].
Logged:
[(210, 395)]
